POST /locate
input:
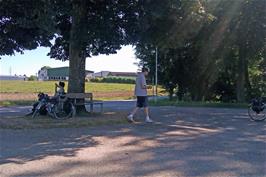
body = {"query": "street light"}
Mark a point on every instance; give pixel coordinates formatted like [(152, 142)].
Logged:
[(156, 71)]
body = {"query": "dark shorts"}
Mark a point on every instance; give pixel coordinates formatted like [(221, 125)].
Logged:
[(142, 101)]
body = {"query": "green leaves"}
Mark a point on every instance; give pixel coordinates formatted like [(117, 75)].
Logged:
[(199, 46), (24, 25)]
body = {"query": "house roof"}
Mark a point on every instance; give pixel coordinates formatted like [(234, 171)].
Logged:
[(101, 74), (60, 72), (55, 72)]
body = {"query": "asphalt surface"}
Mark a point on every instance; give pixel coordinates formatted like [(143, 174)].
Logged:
[(181, 142)]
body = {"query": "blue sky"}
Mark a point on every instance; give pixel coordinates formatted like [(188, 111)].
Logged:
[(31, 61)]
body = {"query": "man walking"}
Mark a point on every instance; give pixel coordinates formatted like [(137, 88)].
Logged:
[(142, 98)]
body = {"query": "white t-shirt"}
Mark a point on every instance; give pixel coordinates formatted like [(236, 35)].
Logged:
[(59, 91), (140, 83)]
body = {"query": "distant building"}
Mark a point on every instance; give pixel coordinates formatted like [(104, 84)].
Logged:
[(100, 74), (61, 73), (6, 77), (122, 74), (103, 74)]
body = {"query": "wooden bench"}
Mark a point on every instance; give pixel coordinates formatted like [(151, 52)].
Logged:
[(88, 100)]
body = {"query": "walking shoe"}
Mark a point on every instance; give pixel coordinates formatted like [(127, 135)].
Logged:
[(130, 118), (148, 120)]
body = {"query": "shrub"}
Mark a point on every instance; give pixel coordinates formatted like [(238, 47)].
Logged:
[(123, 80), (96, 80), (32, 78)]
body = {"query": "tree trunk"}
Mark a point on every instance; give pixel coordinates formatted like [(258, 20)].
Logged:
[(248, 85), (171, 92), (77, 59), (240, 84), (198, 90), (180, 92)]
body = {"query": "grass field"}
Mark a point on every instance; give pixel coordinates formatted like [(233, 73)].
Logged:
[(48, 87), (28, 90), (25, 92)]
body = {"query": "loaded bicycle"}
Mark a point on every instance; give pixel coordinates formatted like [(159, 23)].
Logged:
[(257, 109), (59, 107)]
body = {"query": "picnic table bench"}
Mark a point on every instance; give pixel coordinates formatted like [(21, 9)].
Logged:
[(88, 100)]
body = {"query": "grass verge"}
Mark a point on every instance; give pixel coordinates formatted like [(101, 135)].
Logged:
[(17, 103), (167, 102), (92, 120)]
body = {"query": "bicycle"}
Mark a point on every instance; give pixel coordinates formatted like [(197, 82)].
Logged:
[(57, 107), (257, 109)]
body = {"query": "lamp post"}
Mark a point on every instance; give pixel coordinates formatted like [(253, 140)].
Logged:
[(156, 71)]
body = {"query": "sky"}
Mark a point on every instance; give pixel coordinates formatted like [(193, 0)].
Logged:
[(31, 61)]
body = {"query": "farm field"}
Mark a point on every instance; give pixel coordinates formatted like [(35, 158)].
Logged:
[(28, 90)]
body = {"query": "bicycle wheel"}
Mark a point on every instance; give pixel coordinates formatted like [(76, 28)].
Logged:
[(37, 110), (35, 113), (63, 110), (257, 115)]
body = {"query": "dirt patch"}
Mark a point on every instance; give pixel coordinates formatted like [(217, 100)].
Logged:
[(107, 118)]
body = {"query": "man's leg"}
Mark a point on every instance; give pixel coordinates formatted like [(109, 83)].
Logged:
[(131, 115), (134, 111), (146, 111), (138, 106)]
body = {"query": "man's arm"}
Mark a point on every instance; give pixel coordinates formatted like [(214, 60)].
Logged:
[(144, 84)]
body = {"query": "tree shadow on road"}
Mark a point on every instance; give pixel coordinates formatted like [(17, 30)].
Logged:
[(60, 142), (182, 142)]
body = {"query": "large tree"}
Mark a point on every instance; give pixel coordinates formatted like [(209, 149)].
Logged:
[(80, 29), (243, 40), (170, 26), (222, 54), (90, 28)]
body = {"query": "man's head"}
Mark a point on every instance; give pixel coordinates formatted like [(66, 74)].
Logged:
[(145, 71), (61, 84)]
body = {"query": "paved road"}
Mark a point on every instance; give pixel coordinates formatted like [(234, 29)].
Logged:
[(182, 142)]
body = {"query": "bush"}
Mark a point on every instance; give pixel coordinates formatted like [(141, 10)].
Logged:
[(123, 80), (32, 78), (96, 80)]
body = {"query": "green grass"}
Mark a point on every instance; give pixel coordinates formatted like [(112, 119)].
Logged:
[(26, 91), (109, 118), (16, 103), (48, 87), (167, 102)]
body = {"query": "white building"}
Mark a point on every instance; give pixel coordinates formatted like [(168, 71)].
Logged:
[(6, 77), (103, 74), (61, 73)]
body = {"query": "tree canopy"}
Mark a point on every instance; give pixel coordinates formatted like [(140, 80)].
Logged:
[(208, 49), (220, 57), (80, 29)]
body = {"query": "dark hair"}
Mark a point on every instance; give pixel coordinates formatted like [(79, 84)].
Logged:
[(62, 84), (145, 69)]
